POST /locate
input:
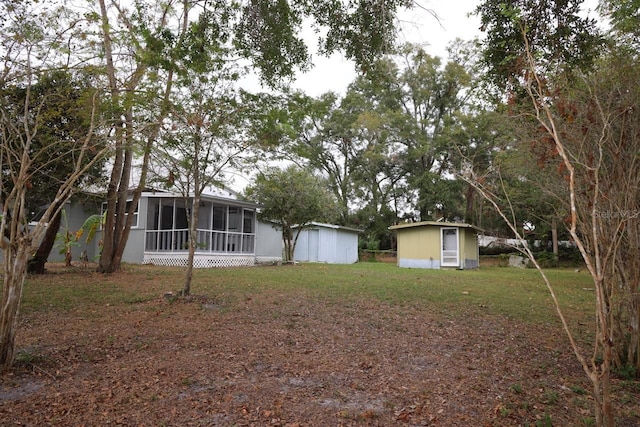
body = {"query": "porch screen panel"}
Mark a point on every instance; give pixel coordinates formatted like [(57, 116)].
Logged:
[(234, 218), (204, 215), (234, 235), (218, 235), (153, 217), (181, 227), (219, 218), (248, 230), (165, 236), (181, 216), (247, 226), (153, 214)]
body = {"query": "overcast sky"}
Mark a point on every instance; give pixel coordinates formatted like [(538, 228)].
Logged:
[(416, 26)]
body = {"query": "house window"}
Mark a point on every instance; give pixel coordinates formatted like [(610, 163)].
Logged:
[(134, 223)]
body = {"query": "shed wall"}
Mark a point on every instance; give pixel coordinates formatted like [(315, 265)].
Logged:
[(346, 248), (268, 242), (321, 244), (419, 243), (420, 247), (301, 252), (327, 245), (470, 254)]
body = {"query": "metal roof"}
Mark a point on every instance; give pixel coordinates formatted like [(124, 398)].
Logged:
[(336, 227), (434, 224)]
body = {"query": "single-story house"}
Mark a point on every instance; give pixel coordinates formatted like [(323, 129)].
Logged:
[(228, 232), (328, 243), (433, 244), (76, 210)]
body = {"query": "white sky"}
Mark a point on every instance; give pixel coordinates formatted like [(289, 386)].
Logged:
[(416, 26)]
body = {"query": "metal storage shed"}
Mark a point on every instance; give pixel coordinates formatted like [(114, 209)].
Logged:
[(328, 243)]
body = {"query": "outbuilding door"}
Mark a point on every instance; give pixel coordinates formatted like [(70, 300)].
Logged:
[(314, 244), (450, 248)]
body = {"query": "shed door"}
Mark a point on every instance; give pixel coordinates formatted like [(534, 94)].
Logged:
[(314, 244), (450, 249)]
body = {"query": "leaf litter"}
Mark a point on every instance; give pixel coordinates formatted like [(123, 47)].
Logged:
[(292, 360)]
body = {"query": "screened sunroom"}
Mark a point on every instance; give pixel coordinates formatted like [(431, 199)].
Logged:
[(226, 231)]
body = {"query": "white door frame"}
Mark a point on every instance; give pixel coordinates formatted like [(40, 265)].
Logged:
[(449, 257)]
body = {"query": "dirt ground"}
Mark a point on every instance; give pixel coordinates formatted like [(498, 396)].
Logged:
[(293, 360)]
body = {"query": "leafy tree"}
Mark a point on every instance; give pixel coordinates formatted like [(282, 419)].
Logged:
[(625, 19), (479, 137), (320, 137), (599, 134), (291, 198), (385, 146), (200, 142), (554, 29), (418, 103), (63, 104), (325, 136), (379, 175)]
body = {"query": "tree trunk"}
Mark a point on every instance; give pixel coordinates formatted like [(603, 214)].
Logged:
[(554, 239), (469, 199), (195, 208), (15, 271), (37, 262), (288, 250), (67, 253)]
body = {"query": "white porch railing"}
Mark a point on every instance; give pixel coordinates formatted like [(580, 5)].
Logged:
[(207, 241)]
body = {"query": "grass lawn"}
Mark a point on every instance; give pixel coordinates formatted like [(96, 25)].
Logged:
[(310, 344)]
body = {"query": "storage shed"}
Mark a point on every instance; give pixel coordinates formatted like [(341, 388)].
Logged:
[(433, 244), (328, 243)]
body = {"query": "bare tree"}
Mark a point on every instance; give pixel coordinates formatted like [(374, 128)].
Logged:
[(200, 143), (20, 158), (592, 138)]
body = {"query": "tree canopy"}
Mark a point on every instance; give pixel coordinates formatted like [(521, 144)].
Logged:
[(291, 198)]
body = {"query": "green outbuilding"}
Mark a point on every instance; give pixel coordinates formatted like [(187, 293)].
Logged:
[(435, 244)]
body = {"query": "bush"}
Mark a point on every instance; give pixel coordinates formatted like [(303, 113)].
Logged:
[(495, 250), (546, 259)]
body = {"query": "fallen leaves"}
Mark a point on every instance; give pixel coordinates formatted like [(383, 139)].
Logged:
[(288, 361)]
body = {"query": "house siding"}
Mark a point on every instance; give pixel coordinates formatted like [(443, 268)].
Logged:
[(134, 249), (261, 243), (470, 255), (76, 215)]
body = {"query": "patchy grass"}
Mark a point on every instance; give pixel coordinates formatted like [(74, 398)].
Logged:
[(310, 344), (518, 293)]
